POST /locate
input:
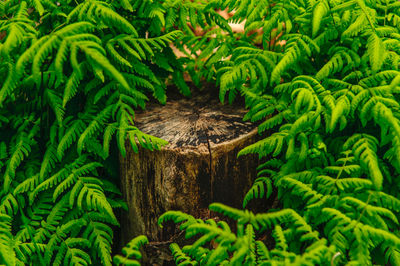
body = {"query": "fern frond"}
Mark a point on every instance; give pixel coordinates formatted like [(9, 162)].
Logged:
[(9, 205), (55, 102), (73, 82), (19, 152), (300, 189), (88, 188), (262, 187), (343, 58), (375, 235), (177, 217), (321, 9), (264, 147), (356, 27), (19, 30), (131, 252), (364, 148), (93, 128), (180, 257), (145, 140), (100, 236), (61, 175), (371, 211), (292, 55), (239, 215), (376, 51), (66, 250), (102, 12), (7, 253), (341, 109)]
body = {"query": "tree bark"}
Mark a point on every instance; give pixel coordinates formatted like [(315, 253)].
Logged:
[(198, 166)]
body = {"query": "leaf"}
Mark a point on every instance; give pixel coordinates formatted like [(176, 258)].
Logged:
[(320, 11), (376, 52)]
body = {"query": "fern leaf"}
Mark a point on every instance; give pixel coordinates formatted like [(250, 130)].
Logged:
[(376, 51), (100, 236), (97, 57), (19, 152), (177, 217), (93, 128), (266, 146), (395, 82), (319, 12), (126, 5), (257, 191), (244, 216), (9, 205), (365, 150), (71, 88), (342, 108), (300, 189), (74, 130), (19, 29), (292, 54), (180, 257), (55, 103), (49, 161), (7, 254), (38, 6), (356, 27)]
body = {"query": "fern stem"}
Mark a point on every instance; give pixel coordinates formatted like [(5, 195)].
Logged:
[(330, 14), (366, 14), (56, 28), (338, 175), (365, 207), (42, 127), (385, 18)]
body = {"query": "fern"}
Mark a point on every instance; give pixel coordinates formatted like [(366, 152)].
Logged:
[(68, 95), (376, 52), (180, 257), (262, 188), (321, 77), (244, 247), (7, 253), (131, 252), (327, 106)]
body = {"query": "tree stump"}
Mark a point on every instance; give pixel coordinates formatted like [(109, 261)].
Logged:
[(198, 166)]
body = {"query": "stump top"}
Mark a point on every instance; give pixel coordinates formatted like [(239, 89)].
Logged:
[(186, 123)]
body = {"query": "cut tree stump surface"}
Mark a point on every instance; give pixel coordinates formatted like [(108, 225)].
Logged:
[(193, 124), (198, 166)]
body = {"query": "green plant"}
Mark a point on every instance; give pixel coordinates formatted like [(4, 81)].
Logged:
[(131, 252), (72, 73), (323, 77), (295, 241)]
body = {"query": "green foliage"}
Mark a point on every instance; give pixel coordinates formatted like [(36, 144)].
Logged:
[(131, 252), (72, 74), (295, 243), (322, 79), (332, 160)]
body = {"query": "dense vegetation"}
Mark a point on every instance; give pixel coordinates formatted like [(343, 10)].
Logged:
[(322, 76), (71, 75)]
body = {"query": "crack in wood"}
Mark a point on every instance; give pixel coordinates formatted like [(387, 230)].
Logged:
[(210, 167), (203, 128)]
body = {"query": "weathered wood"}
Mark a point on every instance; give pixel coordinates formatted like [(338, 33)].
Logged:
[(197, 167)]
